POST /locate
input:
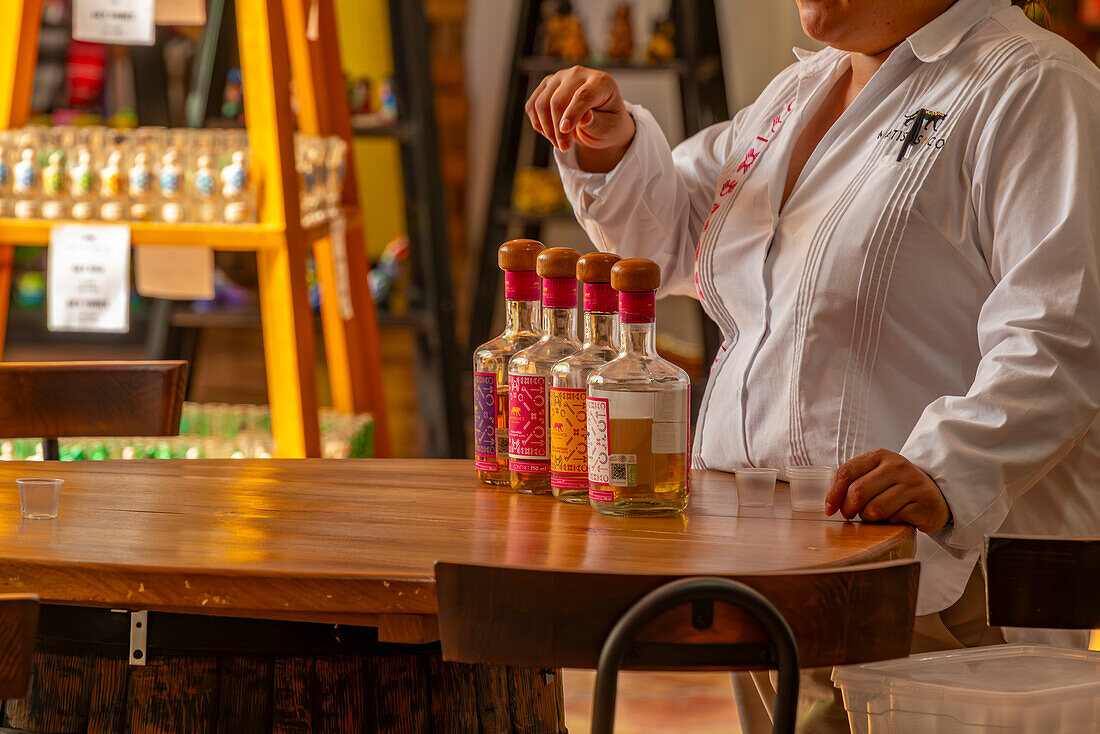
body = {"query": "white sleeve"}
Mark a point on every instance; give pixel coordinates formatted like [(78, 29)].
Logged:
[(655, 201), (1036, 391)]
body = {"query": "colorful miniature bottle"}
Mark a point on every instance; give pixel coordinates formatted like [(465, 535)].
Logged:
[(82, 187), (24, 183), (53, 186), (638, 411), (5, 178), (568, 431), (139, 181), (204, 185), (111, 205), (529, 373), (521, 293), (170, 179), (235, 189)]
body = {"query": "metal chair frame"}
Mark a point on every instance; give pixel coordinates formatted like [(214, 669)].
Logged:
[(780, 653)]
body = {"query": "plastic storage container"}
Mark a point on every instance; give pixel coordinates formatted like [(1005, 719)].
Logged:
[(1007, 689)]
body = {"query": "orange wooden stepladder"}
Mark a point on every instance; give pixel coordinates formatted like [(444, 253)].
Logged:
[(268, 31)]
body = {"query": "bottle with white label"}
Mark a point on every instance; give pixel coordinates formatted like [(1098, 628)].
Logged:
[(521, 329), (24, 182), (638, 411), (530, 372), (568, 432), (170, 184)]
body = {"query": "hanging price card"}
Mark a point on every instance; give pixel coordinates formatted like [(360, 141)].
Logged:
[(127, 22), (88, 278)]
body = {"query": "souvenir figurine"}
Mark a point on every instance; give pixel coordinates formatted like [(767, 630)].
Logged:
[(81, 185), (53, 183), (565, 37), (203, 183), (233, 97), (5, 180), (234, 188), (388, 97), (111, 207), (361, 97), (140, 181), (662, 44), (24, 181), (620, 44)]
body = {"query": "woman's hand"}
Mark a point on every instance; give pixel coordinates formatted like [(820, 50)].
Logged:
[(584, 106), (882, 485)]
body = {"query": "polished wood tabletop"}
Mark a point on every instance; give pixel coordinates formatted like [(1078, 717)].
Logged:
[(348, 540)]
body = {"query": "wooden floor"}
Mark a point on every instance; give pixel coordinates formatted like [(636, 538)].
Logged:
[(655, 703)]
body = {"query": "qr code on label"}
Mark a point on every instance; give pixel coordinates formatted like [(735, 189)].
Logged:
[(502, 444), (624, 470)]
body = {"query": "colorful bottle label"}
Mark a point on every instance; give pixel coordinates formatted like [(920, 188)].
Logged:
[(528, 444), (568, 439), (637, 308), (559, 292), (599, 459), (521, 285), (485, 421), (600, 298)]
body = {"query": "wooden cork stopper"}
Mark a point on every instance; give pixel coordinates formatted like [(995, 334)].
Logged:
[(557, 262), (519, 255), (635, 275), (595, 267)]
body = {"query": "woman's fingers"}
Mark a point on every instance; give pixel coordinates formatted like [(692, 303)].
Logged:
[(847, 473), (529, 107), (542, 109), (569, 99), (585, 98), (866, 488), (886, 503), (559, 100)]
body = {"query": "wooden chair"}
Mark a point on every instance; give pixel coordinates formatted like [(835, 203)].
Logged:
[(18, 626), (52, 400), (1043, 582), (562, 619)]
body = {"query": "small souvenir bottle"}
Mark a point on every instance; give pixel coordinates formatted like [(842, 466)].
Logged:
[(170, 180), (529, 373), (521, 329), (24, 182), (235, 189), (53, 186), (139, 184), (568, 431), (638, 411), (82, 187), (204, 189), (5, 176), (111, 204)]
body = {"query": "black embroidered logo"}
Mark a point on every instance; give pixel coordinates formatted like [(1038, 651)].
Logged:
[(928, 126)]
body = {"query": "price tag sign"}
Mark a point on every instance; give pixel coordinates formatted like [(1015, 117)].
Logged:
[(127, 22), (176, 273), (88, 278), (338, 236)]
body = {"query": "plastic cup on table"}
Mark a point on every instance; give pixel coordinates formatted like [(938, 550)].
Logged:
[(755, 487), (808, 487), (39, 499)]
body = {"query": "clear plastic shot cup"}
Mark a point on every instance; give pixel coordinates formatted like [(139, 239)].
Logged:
[(39, 499), (755, 487), (808, 487)]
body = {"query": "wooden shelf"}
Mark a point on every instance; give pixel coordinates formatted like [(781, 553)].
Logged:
[(549, 64), (514, 216), (365, 126), (246, 237)]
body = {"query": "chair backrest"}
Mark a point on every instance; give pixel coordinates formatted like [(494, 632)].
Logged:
[(1043, 582), (18, 627), (68, 399), (560, 619), (779, 652)]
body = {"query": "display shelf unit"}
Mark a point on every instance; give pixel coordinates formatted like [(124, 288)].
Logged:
[(275, 50)]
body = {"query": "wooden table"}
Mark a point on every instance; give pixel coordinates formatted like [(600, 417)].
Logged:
[(349, 542)]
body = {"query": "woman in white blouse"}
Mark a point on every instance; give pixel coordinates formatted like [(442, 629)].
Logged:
[(898, 240)]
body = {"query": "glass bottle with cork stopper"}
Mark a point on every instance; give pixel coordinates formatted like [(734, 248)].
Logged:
[(529, 372), (521, 329), (638, 410), (568, 433)]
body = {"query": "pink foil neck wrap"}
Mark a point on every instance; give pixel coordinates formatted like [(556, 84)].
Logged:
[(637, 308), (559, 292), (521, 285), (600, 298)]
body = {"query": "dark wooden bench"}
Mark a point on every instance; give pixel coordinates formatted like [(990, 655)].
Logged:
[(1043, 582)]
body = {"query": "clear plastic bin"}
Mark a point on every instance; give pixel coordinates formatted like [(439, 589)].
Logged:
[(1008, 689)]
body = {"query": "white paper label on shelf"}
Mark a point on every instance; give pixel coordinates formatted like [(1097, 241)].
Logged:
[(337, 233), (127, 22), (88, 278), (176, 273)]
